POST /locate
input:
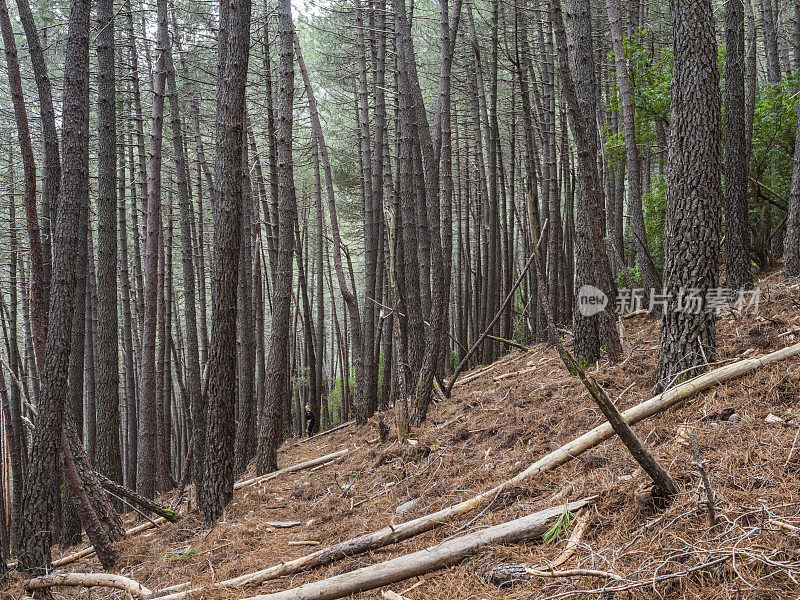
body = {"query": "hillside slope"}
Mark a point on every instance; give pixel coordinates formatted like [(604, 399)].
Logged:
[(498, 423)]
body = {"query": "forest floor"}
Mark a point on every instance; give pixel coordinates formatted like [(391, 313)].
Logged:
[(492, 428)]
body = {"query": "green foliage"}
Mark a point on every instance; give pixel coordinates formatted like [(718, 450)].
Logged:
[(654, 203), (774, 122), (186, 552), (335, 395), (559, 528), (453, 359), (651, 76)]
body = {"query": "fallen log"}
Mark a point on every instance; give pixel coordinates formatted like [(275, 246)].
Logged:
[(424, 561), (70, 558), (304, 543), (327, 431), (138, 499), (291, 469), (556, 458), (89, 580), (159, 520)]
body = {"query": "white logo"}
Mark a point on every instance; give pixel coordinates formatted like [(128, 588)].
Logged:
[(591, 300)]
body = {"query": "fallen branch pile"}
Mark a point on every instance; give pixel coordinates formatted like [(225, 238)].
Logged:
[(402, 531), (424, 561)]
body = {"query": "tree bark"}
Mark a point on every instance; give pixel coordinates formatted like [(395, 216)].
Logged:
[(146, 469), (192, 358), (40, 491), (580, 120), (691, 239), (51, 169), (234, 52), (108, 458), (737, 154)]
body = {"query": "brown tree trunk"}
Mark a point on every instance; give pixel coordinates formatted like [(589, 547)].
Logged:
[(691, 241), (147, 454), (580, 121), (192, 358), (51, 171), (233, 55), (40, 492), (38, 298), (108, 458), (737, 155)]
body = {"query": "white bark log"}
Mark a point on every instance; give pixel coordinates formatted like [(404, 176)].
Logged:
[(423, 561), (89, 580), (291, 469)]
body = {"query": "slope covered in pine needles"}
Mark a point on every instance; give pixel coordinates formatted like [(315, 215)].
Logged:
[(497, 424)]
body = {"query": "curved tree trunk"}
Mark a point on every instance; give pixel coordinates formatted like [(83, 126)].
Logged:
[(40, 493)]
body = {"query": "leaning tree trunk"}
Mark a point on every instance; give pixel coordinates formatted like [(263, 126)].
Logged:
[(691, 240), (51, 175), (590, 184), (40, 493), (234, 51)]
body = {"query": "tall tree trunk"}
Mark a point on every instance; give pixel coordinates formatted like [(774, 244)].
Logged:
[(580, 120), (691, 241), (234, 52), (737, 155), (277, 372), (147, 449), (70, 522), (40, 492), (245, 361), (37, 291), (127, 330), (439, 283), (51, 169), (192, 358), (108, 458), (368, 403), (650, 277)]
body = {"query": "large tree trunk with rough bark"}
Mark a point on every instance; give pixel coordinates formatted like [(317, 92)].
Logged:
[(40, 493), (737, 152), (234, 52), (108, 457), (691, 239), (146, 460)]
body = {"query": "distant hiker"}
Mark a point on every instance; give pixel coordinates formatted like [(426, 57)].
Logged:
[(310, 420)]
